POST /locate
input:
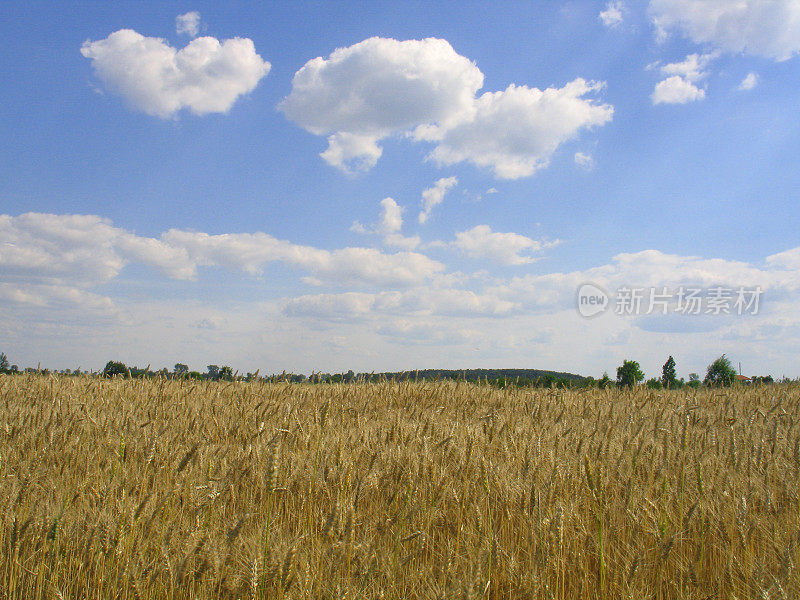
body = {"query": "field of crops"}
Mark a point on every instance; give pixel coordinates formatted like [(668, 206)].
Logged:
[(195, 490)]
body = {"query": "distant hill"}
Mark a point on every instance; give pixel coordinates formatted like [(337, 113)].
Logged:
[(476, 374)]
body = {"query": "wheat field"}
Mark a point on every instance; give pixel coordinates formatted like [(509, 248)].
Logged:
[(173, 489)]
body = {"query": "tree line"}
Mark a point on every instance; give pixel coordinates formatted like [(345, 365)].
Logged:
[(719, 373)]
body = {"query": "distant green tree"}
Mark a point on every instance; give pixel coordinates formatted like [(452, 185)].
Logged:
[(653, 383), (115, 368), (604, 382), (225, 373), (694, 380), (212, 372), (4, 364), (629, 374), (668, 378), (546, 381), (180, 369), (720, 372)]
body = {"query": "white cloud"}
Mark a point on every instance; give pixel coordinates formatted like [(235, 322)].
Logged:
[(81, 250), (749, 82), (334, 307), (455, 302), (171, 261), (427, 332), (769, 28), (391, 217), (516, 131), (679, 86), (397, 240), (790, 259), (504, 248), (692, 68), (55, 296), (188, 24), (351, 152), (612, 15), (381, 87), (414, 302), (676, 90), (584, 161), (206, 76), (51, 265), (389, 226), (651, 269), (536, 313), (251, 252), (357, 227), (378, 87), (434, 195), (85, 251), (50, 260)]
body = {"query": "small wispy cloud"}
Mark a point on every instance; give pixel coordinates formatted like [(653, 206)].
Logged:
[(749, 82), (389, 226), (434, 196), (584, 161), (188, 24), (612, 15), (503, 248)]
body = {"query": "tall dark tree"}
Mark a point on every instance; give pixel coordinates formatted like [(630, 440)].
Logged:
[(668, 378), (629, 374), (720, 372), (212, 372), (181, 369), (3, 362)]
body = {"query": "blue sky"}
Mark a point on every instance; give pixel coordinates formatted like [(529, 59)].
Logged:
[(245, 185)]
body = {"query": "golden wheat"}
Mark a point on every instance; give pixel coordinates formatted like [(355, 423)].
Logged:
[(175, 489)]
